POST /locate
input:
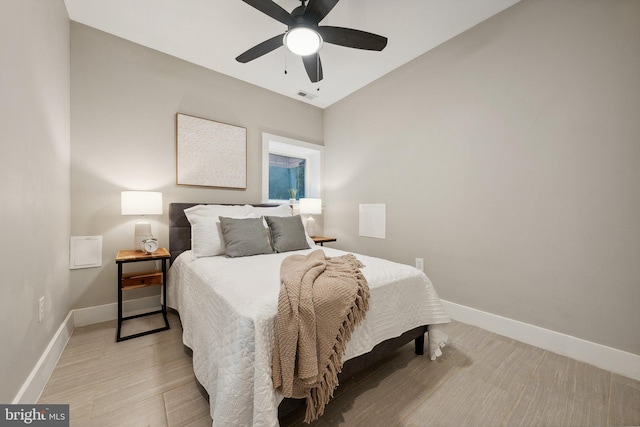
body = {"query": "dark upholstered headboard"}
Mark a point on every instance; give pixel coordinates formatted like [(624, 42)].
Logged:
[(180, 228)]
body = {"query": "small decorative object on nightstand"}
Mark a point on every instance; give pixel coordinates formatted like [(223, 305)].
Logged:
[(320, 240), (149, 245), (141, 279)]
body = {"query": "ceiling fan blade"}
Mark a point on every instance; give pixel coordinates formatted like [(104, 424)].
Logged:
[(261, 49), (352, 38), (317, 9), (313, 65), (272, 9)]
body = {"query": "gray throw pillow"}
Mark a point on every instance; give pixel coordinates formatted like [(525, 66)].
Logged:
[(287, 233), (244, 236)]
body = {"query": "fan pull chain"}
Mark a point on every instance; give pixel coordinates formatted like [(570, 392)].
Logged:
[(285, 60), (318, 71)]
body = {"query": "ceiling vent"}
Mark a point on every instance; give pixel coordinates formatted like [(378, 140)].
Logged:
[(306, 95)]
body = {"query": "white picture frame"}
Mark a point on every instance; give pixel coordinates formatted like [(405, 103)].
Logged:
[(210, 153)]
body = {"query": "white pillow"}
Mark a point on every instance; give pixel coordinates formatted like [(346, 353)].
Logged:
[(282, 210), (206, 234)]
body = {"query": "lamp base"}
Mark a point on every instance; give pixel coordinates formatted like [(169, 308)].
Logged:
[(142, 230), (311, 226)]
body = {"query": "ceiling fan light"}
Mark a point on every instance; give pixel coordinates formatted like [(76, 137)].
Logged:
[(303, 41)]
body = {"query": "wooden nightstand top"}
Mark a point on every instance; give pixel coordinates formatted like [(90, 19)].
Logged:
[(130, 255), (322, 239)]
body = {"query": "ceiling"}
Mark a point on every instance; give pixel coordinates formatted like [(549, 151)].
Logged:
[(211, 33)]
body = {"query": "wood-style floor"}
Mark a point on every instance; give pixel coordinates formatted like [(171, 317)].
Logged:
[(482, 379)]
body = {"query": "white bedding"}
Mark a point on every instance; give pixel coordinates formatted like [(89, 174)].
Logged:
[(228, 307)]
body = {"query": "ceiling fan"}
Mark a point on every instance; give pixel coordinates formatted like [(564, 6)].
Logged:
[(304, 36)]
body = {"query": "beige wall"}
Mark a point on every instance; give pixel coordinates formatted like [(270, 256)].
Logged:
[(34, 183), (123, 102), (509, 159)]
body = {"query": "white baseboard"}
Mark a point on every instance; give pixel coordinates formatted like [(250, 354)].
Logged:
[(601, 356), (32, 388), (103, 313)]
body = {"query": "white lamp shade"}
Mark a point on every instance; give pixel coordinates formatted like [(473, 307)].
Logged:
[(303, 41), (141, 203), (310, 206)]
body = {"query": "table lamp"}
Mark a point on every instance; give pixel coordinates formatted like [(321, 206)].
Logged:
[(141, 203), (311, 206)]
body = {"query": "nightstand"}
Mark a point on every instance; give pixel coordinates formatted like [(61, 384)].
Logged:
[(321, 240), (142, 279)]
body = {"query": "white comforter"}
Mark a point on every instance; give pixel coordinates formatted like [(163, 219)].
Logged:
[(228, 307)]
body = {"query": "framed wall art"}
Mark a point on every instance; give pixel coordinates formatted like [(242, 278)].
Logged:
[(210, 153)]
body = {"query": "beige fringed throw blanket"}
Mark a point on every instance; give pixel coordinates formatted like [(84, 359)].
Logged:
[(321, 301)]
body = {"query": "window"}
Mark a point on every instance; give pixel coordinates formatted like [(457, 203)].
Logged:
[(289, 164), (286, 177)]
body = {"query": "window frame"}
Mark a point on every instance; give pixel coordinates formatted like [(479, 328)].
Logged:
[(312, 153)]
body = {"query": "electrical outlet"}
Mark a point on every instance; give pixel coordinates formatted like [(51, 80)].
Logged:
[(420, 264), (40, 309)]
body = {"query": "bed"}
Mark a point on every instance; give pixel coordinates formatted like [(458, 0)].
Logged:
[(227, 308)]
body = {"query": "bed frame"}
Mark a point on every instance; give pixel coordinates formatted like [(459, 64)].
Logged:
[(180, 241)]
